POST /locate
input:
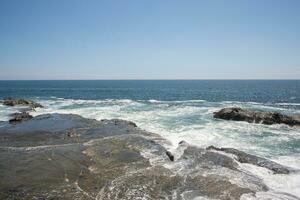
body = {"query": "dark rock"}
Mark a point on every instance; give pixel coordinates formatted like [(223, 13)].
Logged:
[(239, 114), (170, 155), (20, 117), (21, 102), (243, 157), (182, 142)]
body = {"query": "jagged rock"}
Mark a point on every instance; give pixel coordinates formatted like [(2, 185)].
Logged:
[(19, 117), (182, 142), (21, 102), (239, 114), (243, 157), (170, 155)]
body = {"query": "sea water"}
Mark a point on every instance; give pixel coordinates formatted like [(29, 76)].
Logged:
[(183, 110)]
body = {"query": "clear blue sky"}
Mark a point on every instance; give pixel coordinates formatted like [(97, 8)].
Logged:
[(150, 39)]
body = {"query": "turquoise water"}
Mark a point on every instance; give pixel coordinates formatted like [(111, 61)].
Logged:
[(182, 110)]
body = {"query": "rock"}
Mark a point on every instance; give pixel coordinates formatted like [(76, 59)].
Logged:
[(149, 183), (21, 102), (19, 117), (42, 158), (120, 122), (51, 166), (182, 142), (170, 155), (72, 134), (206, 159), (239, 114), (213, 174), (243, 157), (215, 187)]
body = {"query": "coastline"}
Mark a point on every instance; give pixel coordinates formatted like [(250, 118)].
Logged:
[(68, 156)]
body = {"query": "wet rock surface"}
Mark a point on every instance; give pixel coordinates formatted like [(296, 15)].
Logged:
[(21, 102), (243, 157), (59, 156), (19, 117), (239, 114)]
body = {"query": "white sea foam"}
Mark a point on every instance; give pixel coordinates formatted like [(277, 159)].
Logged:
[(280, 184), (6, 111), (288, 104), (185, 101)]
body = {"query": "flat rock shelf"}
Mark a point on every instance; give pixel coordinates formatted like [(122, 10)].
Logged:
[(65, 156)]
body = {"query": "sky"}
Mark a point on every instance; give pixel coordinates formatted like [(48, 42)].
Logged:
[(149, 39)]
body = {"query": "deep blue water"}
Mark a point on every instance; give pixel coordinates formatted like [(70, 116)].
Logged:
[(263, 91)]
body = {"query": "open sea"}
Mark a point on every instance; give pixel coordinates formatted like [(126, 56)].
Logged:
[(182, 110)]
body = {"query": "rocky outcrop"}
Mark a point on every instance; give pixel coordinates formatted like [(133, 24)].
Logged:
[(21, 102), (243, 157), (239, 114), (59, 156), (19, 117)]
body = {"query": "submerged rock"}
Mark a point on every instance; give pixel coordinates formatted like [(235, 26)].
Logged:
[(59, 156), (21, 102), (243, 157), (19, 117), (239, 114)]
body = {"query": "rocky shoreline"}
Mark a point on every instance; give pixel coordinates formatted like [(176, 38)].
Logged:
[(66, 156)]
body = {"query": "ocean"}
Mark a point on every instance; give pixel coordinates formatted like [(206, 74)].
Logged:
[(182, 110)]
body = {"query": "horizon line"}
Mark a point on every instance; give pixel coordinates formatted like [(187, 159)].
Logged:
[(250, 79)]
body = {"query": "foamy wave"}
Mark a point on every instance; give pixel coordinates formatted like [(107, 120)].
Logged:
[(185, 101), (288, 104), (6, 111), (281, 185)]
